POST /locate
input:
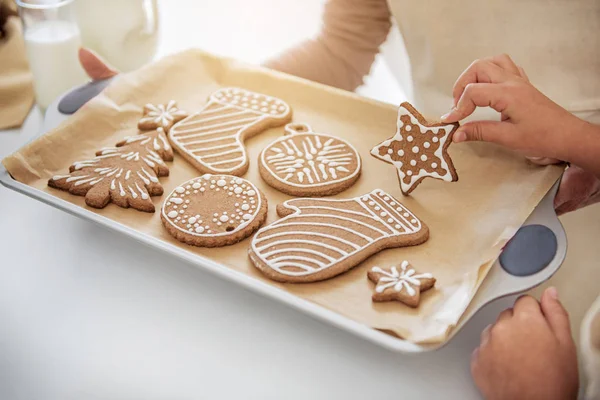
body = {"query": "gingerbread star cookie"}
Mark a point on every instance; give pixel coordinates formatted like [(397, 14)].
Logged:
[(401, 283), (418, 150), (161, 116)]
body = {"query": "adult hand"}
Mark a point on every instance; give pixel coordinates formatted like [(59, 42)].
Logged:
[(528, 353), (95, 67)]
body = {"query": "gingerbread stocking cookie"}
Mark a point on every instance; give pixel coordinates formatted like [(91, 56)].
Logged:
[(126, 175), (214, 210), (320, 238), (305, 163), (212, 140), (401, 283), (418, 150)]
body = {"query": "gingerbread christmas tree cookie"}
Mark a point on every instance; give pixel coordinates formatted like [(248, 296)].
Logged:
[(126, 175), (418, 150), (400, 283)]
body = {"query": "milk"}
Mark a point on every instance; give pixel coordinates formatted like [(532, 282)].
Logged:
[(124, 32), (52, 48)]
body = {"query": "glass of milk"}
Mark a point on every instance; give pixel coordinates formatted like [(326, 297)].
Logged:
[(52, 40)]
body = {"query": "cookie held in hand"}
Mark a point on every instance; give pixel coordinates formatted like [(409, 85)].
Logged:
[(418, 150), (320, 238), (126, 175), (400, 283), (305, 163), (214, 211)]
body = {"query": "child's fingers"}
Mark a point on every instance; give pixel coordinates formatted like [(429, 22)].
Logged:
[(480, 71), (523, 74), (486, 131), (505, 62), (478, 95)]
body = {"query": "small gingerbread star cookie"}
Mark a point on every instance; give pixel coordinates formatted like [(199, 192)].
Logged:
[(419, 149), (161, 116), (401, 283)]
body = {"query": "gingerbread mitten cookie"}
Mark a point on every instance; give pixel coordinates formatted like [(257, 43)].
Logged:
[(305, 163), (214, 210), (401, 283), (126, 175), (321, 238), (419, 149), (212, 140)]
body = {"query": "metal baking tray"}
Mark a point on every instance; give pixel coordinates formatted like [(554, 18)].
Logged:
[(498, 283)]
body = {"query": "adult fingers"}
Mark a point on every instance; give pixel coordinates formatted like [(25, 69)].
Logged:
[(480, 71), (543, 160), (486, 131), (527, 305), (95, 67), (556, 315)]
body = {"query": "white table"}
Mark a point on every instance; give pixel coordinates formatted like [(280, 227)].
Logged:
[(92, 314)]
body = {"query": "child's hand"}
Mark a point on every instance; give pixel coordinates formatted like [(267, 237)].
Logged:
[(530, 122), (528, 353)]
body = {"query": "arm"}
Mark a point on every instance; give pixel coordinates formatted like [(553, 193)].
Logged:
[(343, 52)]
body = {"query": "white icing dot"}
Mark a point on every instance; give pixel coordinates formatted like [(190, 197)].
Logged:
[(393, 203), (410, 138), (427, 145), (386, 198), (202, 189), (247, 217), (400, 153), (390, 151), (434, 165), (413, 221), (383, 214), (423, 157), (179, 189), (251, 193), (172, 214), (371, 203), (176, 200), (398, 226), (188, 226), (196, 185), (435, 140), (185, 206), (213, 181), (245, 207), (188, 187), (239, 181), (175, 207), (187, 192), (406, 215), (187, 202), (221, 182), (192, 220), (215, 215), (409, 173), (377, 208), (195, 191), (390, 220), (408, 128), (212, 186), (238, 190), (199, 229), (218, 223), (365, 198), (224, 218), (214, 220), (415, 149), (413, 162)]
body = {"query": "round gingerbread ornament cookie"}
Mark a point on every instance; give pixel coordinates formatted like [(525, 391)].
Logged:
[(214, 210), (305, 163)]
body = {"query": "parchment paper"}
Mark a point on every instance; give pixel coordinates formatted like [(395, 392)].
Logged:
[(470, 220)]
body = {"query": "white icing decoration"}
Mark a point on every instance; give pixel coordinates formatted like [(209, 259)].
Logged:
[(245, 207), (278, 248), (400, 280), (217, 130), (309, 159), (172, 214), (162, 115)]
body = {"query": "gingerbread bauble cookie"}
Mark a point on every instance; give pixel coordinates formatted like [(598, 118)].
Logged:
[(214, 210), (418, 150), (305, 163), (212, 140)]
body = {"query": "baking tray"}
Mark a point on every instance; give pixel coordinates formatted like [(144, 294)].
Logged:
[(498, 283)]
